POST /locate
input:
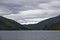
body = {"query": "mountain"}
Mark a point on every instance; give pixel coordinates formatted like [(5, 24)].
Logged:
[(55, 26), (49, 24), (46, 24), (8, 24)]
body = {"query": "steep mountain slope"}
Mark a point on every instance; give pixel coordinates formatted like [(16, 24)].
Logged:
[(43, 24), (55, 26), (8, 24)]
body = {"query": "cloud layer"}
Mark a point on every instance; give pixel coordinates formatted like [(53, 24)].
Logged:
[(29, 11)]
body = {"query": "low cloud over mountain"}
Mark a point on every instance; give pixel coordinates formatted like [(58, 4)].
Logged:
[(32, 10)]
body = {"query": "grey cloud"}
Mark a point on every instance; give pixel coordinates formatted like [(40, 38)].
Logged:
[(31, 14), (20, 5), (52, 5), (11, 7), (29, 9)]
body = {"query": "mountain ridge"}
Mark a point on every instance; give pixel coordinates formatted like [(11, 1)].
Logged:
[(48, 24), (8, 24), (41, 25)]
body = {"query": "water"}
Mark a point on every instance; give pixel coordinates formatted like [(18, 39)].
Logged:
[(29, 35)]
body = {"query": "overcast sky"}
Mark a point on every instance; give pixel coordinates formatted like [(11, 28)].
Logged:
[(29, 11)]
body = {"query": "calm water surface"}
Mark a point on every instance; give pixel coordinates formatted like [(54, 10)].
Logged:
[(29, 35)]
